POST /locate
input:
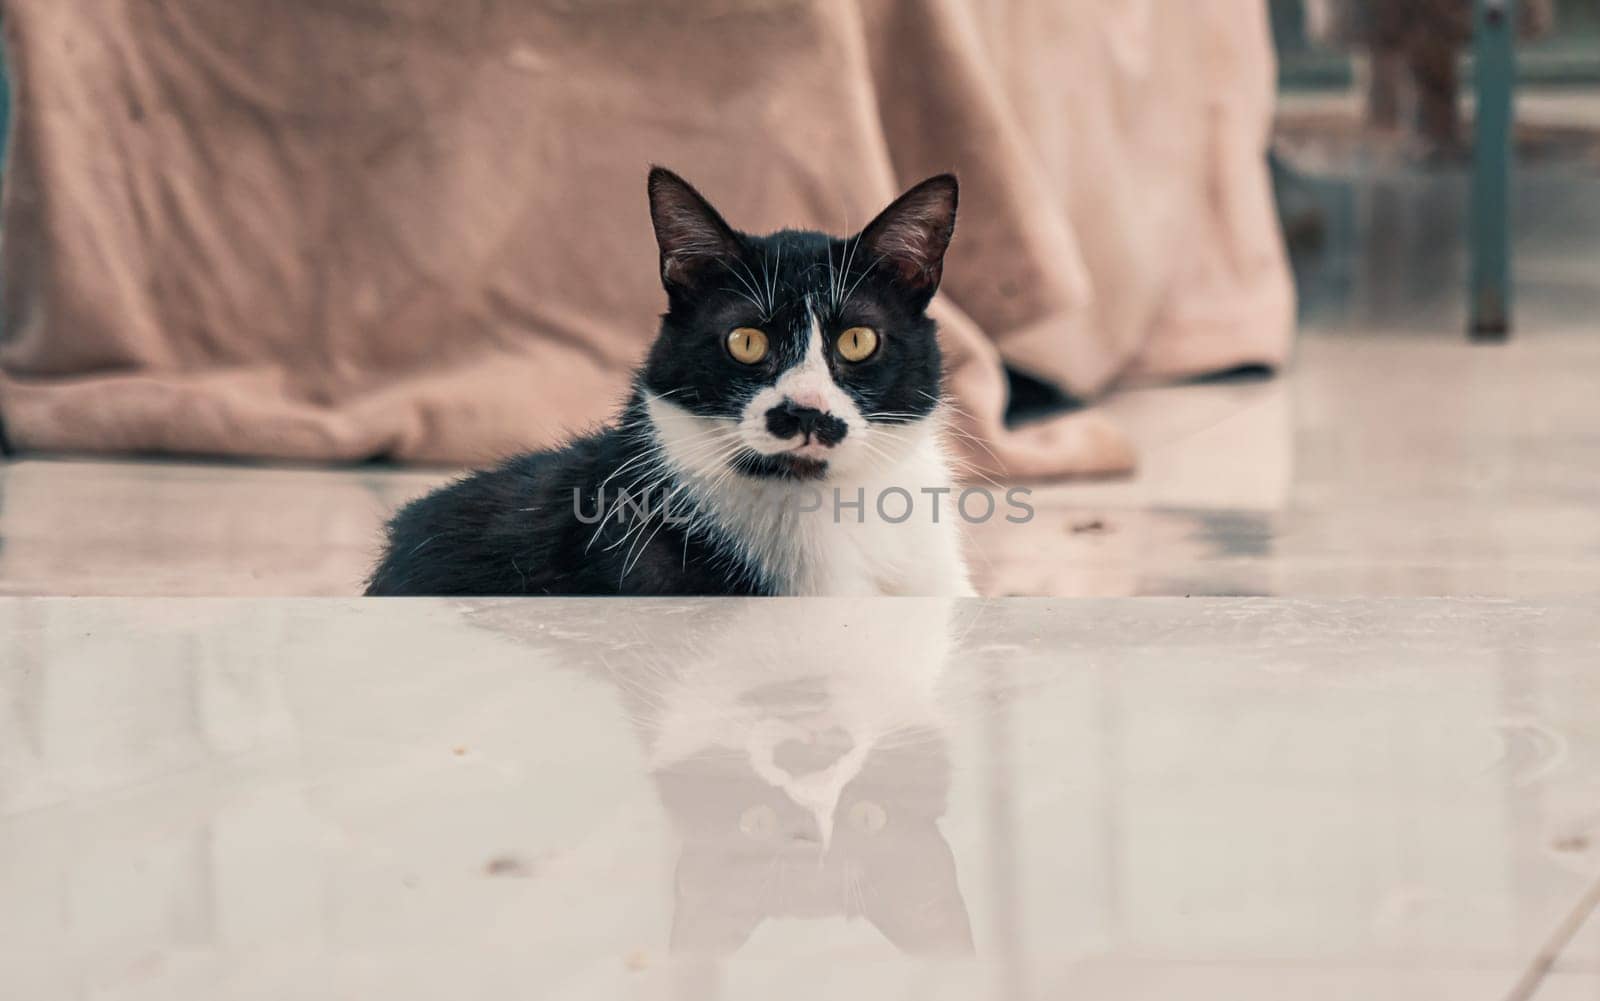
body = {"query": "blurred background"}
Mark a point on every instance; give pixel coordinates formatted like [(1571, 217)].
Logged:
[(1291, 297)]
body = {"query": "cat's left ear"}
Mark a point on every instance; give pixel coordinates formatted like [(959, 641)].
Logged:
[(690, 233), (912, 234)]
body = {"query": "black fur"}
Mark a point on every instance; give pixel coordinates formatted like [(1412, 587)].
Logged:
[(520, 528), (515, 529)]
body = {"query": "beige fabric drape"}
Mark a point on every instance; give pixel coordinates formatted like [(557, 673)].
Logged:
[(417, 228)]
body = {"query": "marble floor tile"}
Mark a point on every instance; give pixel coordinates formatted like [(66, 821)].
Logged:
[(213, 799), (1569, 987), (193, 528), (1395, 465)]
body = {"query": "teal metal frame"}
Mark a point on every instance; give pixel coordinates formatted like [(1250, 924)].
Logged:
[(5, 101), (5, 104), (1494, 80)]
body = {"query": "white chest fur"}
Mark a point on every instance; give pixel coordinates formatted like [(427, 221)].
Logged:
[(872, 534), (883, 523)]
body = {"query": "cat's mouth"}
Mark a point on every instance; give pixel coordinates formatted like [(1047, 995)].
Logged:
[(781, 466)]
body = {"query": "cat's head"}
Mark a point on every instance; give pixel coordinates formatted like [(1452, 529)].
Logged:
[(795, 354)]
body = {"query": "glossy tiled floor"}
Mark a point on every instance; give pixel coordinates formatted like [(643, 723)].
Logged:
[(1214, 798), (1382, 464)]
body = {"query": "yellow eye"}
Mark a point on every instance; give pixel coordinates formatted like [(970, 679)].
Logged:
[(858, 343), (759, 822), (747, 344), (868, 817)]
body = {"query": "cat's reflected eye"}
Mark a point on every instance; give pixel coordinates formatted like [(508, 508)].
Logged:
[(858, 343), (747, 345), (759, 822), (868, 817)]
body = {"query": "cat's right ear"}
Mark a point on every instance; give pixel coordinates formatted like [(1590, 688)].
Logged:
[(690, 233)]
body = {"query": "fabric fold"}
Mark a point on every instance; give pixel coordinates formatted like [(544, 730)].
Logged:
[(416, 229)]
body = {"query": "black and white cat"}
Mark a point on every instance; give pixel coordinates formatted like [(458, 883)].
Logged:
[(783, 436)]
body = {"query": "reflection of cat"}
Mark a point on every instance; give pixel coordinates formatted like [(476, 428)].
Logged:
[(799, 752), (751, 852)]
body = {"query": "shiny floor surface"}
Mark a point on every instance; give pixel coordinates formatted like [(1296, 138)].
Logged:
[(1034, 799), (1380, 464)]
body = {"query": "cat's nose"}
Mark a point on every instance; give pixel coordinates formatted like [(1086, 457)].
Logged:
[(788, 419)]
